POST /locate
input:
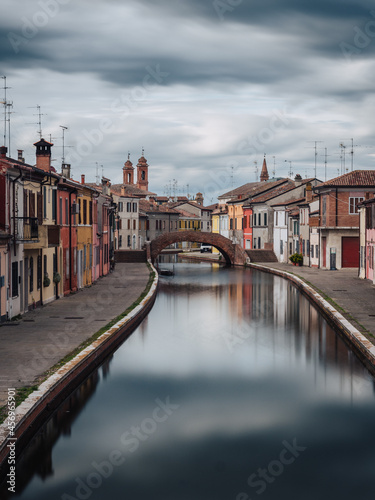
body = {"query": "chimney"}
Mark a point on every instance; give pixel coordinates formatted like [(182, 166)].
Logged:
[(298, 180), (82, 178), (105, 186), (43, 155), (3, 152), (308, 192), (65, 170), (20, 155)]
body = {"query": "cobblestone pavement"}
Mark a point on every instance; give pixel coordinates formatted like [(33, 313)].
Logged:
[(44, 336)]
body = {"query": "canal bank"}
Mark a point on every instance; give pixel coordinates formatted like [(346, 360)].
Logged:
[(345, 300), (32, 348)]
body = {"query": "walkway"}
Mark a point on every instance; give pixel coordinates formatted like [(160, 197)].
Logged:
[(33, 345), (354, 295)]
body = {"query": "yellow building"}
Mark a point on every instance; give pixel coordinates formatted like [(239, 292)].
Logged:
[(42, 252), (84, 256)]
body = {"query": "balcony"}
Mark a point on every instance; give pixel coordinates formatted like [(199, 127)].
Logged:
[(26, 228)]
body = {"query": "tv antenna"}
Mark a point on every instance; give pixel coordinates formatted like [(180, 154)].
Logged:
[(342, 157), (325, 163), (5, 104), (63, 142), (9, 105), (290, 173), (39, 114), (316, 154)]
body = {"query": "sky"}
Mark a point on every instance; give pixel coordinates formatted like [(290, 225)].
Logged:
[(206, 87)]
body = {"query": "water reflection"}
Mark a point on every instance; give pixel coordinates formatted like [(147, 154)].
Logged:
[(250, 364)]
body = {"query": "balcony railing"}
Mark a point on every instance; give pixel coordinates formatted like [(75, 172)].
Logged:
[(26, 228)]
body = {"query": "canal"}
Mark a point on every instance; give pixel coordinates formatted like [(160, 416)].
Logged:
[(233, 388)]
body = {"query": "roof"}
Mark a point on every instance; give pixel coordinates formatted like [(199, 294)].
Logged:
[(281, 189), (150, 206), (293, 201), (357, 178), (256, 188), (131, 190), (186, 214)]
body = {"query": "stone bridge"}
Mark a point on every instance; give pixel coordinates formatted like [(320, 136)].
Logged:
[(232, 253)]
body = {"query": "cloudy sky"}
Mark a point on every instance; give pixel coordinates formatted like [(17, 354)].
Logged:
[(207, 87)]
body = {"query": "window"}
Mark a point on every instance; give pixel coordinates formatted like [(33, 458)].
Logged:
[(14, 279), (31, 275), (61, 210), (353, 204), (134, 224), (259, 243), (307, 247), (39, 272), (254, 219), (128, 223), (303, 247), (265, 218), (120, 241), (312, 251), (277, 219), (134, 207), (66, 211), (324, 210), (90, 213), (128, 240), (120, 206), (44, 202), (67, 263), (163, 224), (79, 215), (128, 206), (231, 223), (84, 221), (281, 247), (259, 220)]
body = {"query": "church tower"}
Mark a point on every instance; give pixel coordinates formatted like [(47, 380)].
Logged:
[(264, 173), (142, 173), (128, 172)]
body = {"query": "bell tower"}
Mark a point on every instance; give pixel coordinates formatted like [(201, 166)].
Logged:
[(264, 173), (142, 173), (128, 172)]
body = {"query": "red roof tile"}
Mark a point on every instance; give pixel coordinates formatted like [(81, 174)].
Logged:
[(356, 178)]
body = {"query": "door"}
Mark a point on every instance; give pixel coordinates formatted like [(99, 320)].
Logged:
[(350, 251), (324, 251), (26, 285)]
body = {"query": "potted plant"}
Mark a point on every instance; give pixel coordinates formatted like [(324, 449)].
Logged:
[(296, 259), (56, 278), (46, 281)]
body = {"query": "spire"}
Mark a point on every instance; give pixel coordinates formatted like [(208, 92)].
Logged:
[(264, 173)]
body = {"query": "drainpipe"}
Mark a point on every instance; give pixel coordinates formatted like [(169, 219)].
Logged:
[(70, 241)]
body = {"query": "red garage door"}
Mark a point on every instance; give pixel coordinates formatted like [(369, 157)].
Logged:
[(350, 251)]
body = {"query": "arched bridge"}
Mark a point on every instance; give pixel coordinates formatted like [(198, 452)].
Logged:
[(233, 254)]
